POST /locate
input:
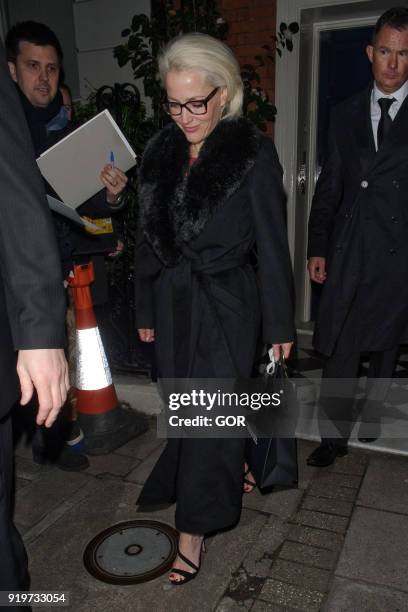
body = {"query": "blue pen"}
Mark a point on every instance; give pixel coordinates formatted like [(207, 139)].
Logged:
[(112, 159)]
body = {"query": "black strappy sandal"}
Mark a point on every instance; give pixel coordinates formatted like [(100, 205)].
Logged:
[(187, 576), (249, 482)]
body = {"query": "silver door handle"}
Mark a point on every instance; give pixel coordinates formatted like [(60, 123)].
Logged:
[(317, 173), (301, 179)]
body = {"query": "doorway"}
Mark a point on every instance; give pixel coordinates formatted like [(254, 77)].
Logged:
[(328, 64)]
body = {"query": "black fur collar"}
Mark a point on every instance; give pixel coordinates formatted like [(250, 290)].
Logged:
[(175, 204)]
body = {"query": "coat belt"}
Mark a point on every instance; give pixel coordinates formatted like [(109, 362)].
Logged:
[(182, 312)]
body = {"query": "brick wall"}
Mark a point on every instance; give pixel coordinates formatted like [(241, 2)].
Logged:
[(251, 25)]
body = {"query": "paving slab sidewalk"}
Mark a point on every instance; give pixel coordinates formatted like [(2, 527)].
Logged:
[(338, 542)]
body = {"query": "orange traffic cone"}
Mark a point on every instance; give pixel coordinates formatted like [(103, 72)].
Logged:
[(105, 423)]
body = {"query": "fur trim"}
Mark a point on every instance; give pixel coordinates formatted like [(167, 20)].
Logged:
[(175, 202)]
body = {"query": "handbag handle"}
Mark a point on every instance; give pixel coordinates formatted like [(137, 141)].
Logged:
[(273, 364)]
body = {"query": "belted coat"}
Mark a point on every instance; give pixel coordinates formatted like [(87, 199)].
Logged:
[(359, 222), (196, 287)]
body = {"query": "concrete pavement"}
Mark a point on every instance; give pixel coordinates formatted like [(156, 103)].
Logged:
[(337, 543)]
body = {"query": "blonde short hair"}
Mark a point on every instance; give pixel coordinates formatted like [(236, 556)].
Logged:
[(203, 53)]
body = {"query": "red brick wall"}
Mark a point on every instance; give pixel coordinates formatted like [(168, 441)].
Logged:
[(251, 25)]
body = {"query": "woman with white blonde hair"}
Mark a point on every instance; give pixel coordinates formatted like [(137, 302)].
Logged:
[(210, 57), (210, 188)]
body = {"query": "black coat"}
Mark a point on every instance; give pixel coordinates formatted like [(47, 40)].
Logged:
[(32, 304), (199, 229), (359, 221), (196, 288)]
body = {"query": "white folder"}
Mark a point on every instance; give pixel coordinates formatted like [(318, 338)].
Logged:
[(73, 165)]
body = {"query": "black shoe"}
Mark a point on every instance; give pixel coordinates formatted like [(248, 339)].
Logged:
[(71, 461), (67, 459), (325, 454), (367, 440)]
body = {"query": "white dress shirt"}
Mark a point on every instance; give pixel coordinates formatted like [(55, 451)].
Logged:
[(376, 94)]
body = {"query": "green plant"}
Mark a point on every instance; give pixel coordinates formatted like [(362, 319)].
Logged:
[(84, 110), (257, 105), (284, 38)]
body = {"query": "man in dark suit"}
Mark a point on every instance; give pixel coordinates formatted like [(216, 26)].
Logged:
[(358, 247), (32, 308)]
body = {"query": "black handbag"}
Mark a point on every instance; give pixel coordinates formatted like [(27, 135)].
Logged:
[(273, 459)]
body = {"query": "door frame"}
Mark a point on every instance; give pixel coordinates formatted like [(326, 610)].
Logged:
[(286, 100)]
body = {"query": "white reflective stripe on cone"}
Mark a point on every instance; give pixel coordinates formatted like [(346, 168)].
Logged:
[(93, 371)]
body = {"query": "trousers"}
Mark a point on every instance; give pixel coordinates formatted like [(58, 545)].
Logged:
[(13, 557), (338, 390)]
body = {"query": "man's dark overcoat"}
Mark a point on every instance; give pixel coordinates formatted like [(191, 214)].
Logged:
[(196, 288), (359, 222), (32, 305), (30, 276)]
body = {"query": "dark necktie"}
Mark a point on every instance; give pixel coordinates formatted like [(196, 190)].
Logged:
[(385, 123)]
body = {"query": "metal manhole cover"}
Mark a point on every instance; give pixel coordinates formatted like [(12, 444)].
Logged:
[(131, 552)]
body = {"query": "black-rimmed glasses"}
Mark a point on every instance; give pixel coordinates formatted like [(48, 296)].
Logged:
[(195, 107)]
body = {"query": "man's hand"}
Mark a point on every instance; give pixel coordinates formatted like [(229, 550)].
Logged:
[(146, 335), (279, 349), (317, 269), (114, 180), (46, 371)]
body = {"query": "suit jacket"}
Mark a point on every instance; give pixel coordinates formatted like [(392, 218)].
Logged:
[(359, 222), (32, 303), (194, 282)]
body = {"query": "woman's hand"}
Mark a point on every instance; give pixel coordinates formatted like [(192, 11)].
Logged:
[(118, 250), (146, 335), (284, 348), (114, 180)]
